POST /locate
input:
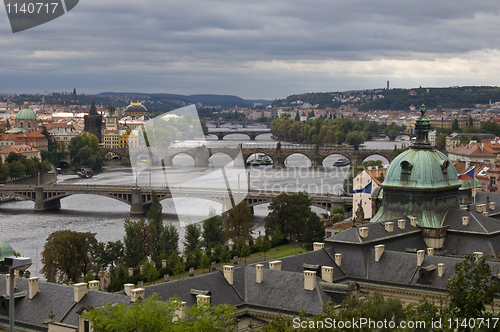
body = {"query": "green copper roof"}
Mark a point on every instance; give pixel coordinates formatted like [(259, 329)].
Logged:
[(421, 169), (5, 251), (26, 113), (420, 181)]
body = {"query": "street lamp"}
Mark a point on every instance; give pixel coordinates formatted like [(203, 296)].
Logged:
[(14, 263)]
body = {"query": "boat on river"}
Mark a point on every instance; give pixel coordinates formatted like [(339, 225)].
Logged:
[(85, 172), (341, 162), (260, 160)]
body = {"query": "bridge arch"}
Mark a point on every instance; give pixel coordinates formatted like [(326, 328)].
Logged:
[(181, 155), (294, 160), (331, 158), (376, 156)]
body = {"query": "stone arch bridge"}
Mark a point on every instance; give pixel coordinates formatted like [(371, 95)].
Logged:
[(202, 154), (49, 197)]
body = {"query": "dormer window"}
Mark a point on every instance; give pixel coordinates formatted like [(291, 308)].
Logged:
[(444, 166), (406, 167), (405, 170)]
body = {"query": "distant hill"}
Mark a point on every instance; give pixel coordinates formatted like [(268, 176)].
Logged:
[(398, 99), (205, 99)]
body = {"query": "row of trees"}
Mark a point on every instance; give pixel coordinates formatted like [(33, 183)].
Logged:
[(17, 165), (71, 255)]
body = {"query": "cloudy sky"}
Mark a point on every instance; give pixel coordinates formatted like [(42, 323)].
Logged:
[(254, 48)]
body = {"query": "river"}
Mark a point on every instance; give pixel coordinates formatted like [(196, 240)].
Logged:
[(26, 230)]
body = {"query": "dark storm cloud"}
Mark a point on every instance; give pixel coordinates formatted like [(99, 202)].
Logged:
[(248, 47)]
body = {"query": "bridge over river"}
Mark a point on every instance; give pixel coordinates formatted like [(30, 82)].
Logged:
[(48, 197), (201, 154)]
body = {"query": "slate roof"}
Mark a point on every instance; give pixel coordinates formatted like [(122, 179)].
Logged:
[(214, 282), (59, 299)]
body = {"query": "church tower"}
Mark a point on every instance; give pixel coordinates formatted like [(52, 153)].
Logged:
[(93, 122), (111, 118)]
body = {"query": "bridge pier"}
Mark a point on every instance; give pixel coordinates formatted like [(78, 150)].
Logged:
[(220, 137), (136, 207), (252, 136), (41, 205), (201, 157)]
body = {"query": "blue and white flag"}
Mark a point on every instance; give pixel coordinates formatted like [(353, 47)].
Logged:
[(365, 190)]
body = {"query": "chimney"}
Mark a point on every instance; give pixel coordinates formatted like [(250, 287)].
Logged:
[(478, 254), (136, 294), (430, 251), (401, 223), (8, 280), (338, 259), (259, 273), (485, 213), (79, 290), (492, 205), (130, 271), (327, 273), (379, 250), (420, 257), (228, 273), (465, 220), (127, 288), (275, 265), (309, 280), (363, 232), (389, 226), (180, 313), (94, 285), (100, 275), (33, 286), (318, 246), (163, 263), (413, 221), (202, 298), (440, 270)]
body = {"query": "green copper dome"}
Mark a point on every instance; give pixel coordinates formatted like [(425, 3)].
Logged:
[(26, 113), (5, 251), (420, 182), (421, 169)]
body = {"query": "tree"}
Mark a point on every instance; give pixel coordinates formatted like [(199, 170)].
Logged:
[(150, 272), (297, 116), (68, 255), (314, 230), (109, 253), (155, 226), (133, 243), (263, 244), (213, 230), (355, 138), (289, 213), (4, 171), (170, 240), (471, 289), (176, 264), (238, 221), (441, 142), (455, 126), (84, 149), (153, 314), (192, 237)]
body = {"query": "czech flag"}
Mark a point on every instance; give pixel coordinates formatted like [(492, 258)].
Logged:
[(468, 175), (366, 190)]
